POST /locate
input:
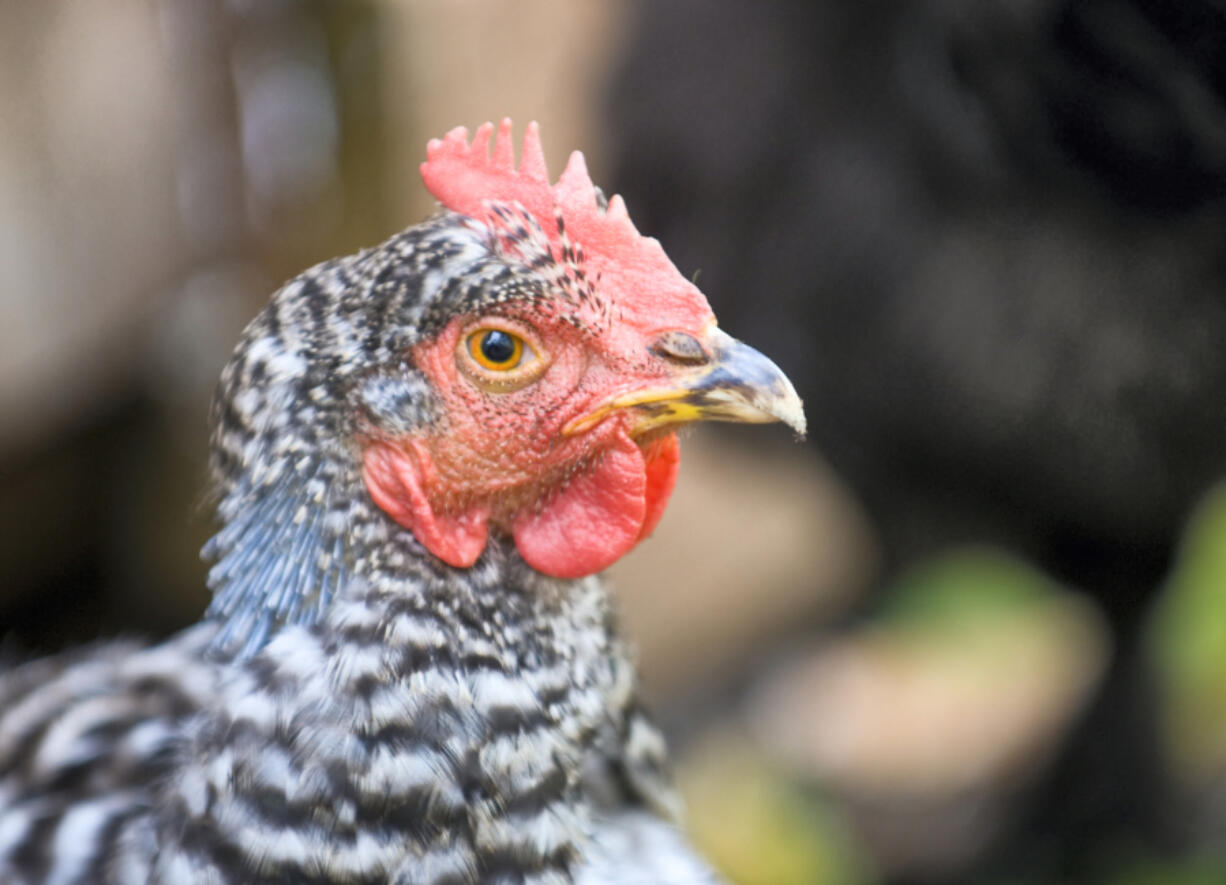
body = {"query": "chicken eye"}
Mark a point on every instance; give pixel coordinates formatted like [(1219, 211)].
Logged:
[(500, 356), (496, 349)]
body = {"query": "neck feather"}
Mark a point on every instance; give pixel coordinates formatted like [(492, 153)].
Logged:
[(307, 539), (285, 551)]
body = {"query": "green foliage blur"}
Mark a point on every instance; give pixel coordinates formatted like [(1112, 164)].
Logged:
[(763, 821), (1188, 642)]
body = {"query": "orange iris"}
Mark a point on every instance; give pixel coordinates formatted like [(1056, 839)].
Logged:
[(495, 349)]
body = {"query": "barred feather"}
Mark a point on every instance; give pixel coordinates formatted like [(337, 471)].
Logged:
[(351, 710)]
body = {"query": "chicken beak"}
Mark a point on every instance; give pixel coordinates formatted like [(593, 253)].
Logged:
[(735, 383)]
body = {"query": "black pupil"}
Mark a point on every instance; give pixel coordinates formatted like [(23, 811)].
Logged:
[(497, 347)]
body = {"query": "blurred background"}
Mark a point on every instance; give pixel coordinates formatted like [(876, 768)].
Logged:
[(973, 630)]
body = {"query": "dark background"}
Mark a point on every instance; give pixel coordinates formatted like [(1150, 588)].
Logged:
[(954, 638)]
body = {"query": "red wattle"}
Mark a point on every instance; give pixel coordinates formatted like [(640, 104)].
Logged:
[(663, 463), (592, 522), (396, 480)]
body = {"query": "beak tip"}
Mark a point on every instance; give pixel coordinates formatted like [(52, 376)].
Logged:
[(751, 388), (791, 411)]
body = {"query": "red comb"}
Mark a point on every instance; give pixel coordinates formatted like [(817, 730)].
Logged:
[(634, 272)]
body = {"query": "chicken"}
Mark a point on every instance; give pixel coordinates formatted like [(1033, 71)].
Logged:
[(421, 456)]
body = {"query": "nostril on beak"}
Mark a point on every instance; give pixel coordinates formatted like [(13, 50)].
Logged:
[(680, 347)]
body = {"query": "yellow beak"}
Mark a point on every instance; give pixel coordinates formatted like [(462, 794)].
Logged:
[(735, 383)]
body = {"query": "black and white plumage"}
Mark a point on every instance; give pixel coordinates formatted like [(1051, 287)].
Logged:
[(352, 709)]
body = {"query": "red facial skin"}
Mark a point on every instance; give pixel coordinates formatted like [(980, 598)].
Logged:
[(573, 504)]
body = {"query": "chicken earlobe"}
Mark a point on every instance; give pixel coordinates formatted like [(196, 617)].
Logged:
[(397, 478)]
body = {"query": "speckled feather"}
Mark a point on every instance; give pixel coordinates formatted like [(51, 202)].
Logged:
[(351, 710)]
